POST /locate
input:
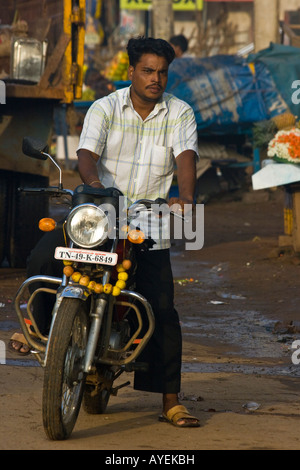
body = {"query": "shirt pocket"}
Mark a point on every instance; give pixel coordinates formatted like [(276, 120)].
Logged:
[(162, 163)]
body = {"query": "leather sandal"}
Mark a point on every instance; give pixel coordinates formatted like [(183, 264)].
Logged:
[(19, 340), (177, 413)]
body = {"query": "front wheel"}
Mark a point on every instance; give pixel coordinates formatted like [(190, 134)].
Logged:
[(64, 378)]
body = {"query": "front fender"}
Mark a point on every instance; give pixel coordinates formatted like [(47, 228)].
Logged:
[(75, 292)]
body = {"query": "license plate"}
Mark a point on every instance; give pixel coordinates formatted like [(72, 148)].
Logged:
[(85, 256)]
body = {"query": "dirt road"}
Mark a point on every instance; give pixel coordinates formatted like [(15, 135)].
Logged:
[(237, 298)]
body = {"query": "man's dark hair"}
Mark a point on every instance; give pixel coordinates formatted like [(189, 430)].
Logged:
[(136, 47), (181, 41)]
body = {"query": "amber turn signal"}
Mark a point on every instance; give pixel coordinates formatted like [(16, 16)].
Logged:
[(47, 224), (136, 236)]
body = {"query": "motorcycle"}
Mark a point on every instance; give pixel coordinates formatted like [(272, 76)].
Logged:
[(100, 324)]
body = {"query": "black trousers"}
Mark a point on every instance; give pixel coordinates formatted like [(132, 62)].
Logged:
[(154, 280)]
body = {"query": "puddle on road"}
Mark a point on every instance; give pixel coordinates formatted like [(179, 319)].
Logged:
[(213, 368), (246, 331), (241, 333), (22, 363), (9, 325), (204, 368), (223, 318)]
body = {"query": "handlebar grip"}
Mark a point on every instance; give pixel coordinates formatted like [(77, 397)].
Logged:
[(98, 192), (160, 201)]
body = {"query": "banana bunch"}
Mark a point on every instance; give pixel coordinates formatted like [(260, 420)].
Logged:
[(284, 121), (117, 69)]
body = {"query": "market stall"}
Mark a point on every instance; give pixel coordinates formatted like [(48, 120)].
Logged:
[(282, 168)]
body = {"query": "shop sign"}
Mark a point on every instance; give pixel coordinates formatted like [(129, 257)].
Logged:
[(147, 4)]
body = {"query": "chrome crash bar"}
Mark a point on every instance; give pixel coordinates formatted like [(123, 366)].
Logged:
[(37, 341)]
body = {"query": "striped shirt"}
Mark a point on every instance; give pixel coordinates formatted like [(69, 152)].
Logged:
[(137, 156)]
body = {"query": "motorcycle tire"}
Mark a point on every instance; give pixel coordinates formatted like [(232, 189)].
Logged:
[(64, 378), (96, 397)]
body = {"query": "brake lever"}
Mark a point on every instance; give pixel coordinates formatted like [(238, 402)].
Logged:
[(147, 203), (180, 216)]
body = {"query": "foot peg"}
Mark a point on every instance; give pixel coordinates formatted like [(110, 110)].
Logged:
[(136, 366), (114, 390)]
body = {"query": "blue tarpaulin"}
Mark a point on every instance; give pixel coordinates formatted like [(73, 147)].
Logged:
[(283, 63), (225, 91)]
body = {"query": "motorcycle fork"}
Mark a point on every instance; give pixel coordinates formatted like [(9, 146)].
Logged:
[(97, 320)]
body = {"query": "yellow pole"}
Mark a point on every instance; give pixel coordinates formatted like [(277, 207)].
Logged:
[(74, 54)]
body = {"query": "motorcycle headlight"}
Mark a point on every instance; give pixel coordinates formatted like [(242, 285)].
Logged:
[(87, 226)]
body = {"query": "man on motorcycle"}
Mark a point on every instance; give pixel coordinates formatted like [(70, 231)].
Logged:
[(129, 141)]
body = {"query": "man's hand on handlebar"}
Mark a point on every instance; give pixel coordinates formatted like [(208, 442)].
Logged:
[(181, 206), (96, 184)]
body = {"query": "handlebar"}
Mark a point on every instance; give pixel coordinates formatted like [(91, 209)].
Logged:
[(157, 210), (51, 191), (37, 149)]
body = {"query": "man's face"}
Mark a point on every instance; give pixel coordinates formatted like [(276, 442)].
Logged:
[(149, 77)]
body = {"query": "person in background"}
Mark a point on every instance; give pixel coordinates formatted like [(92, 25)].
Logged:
[(180, 45)]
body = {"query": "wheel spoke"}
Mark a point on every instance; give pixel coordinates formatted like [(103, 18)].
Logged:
[(73, 369)]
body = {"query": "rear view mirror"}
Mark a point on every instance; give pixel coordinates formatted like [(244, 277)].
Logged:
[(34, 148)]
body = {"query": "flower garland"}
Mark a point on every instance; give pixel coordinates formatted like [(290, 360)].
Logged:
[(286, 145)]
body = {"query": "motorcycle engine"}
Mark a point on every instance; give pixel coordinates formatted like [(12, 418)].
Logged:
[(120, 334)]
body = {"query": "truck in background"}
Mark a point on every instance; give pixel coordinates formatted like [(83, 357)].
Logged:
[(41, 65)]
